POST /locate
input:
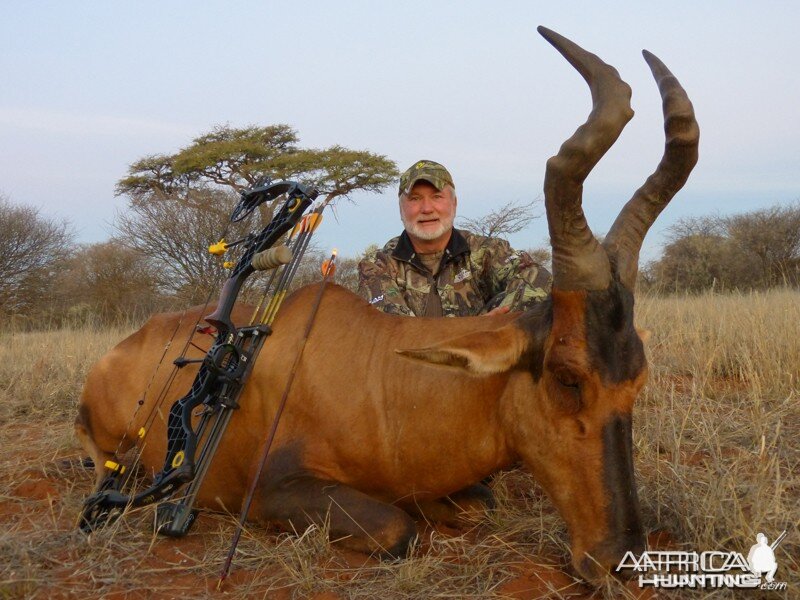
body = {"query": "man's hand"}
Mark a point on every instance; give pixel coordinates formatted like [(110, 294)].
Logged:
[(500, 310)]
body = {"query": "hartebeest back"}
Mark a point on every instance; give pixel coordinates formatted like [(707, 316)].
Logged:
[(391, 413)]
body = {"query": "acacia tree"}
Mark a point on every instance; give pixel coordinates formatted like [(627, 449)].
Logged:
[(236, 159), (178, 201)]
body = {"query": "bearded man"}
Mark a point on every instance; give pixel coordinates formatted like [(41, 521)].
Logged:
[(435, 270)]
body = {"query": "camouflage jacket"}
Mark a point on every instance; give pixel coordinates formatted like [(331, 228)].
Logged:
[(476, 275)]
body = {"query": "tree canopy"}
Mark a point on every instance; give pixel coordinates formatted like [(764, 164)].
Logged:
[(179, 203), (239, 158)]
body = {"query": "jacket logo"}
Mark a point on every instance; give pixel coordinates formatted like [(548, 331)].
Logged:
[(464, 274)]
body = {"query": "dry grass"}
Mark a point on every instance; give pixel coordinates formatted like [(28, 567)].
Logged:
[(717, 430), (717, 436)]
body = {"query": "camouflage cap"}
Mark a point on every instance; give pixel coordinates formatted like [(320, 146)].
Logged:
[(425, 170)]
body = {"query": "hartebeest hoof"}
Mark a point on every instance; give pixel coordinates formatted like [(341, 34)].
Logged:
[(457, 508)]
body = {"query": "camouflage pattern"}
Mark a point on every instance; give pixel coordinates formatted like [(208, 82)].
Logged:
[(425, 170), (476, 275)]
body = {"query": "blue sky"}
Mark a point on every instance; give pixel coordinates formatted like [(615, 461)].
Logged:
[(86, 88)]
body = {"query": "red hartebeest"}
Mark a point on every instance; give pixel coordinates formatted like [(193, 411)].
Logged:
[(391, 413)]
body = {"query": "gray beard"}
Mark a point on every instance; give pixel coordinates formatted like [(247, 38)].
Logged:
[(416, 230)]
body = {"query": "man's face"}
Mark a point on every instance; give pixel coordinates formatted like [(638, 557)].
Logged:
[(428, 213)]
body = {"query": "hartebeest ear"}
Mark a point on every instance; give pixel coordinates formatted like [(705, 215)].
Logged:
[(480, 353)]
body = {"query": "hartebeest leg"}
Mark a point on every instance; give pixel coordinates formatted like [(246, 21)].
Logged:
[(361, 522), (98, 456), (454, 509)]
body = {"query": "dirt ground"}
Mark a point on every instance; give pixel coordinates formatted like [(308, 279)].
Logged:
[(55, 560)]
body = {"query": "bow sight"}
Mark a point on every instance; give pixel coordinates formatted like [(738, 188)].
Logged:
[(192, 439)]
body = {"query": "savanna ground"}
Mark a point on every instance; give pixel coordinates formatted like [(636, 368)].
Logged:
[(717, 446)]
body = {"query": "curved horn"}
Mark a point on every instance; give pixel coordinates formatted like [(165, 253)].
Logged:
[(624, 240), (579, 262)]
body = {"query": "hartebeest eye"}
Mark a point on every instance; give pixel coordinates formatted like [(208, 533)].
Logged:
[(572, 388), (575, 387), (566, 375), (569, 389)]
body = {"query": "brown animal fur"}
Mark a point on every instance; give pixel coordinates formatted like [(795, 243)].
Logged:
[(366, 428)]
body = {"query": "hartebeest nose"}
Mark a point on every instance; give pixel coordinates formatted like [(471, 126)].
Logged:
[(624, 533)]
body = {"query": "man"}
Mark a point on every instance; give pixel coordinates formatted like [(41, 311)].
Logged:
[(435, 270)]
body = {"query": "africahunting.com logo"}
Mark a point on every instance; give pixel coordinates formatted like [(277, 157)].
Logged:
[(708, 569)]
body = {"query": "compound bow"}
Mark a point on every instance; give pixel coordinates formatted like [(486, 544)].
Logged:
[(223, 371)]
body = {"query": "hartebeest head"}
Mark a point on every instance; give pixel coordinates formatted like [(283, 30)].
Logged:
[(578, 363)]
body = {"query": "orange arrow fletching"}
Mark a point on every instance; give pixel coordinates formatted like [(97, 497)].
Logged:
[(314, 220)]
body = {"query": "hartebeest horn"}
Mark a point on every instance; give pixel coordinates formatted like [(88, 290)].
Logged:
[(625, 238), (579, 262)]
